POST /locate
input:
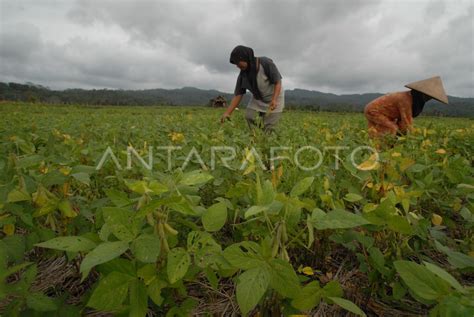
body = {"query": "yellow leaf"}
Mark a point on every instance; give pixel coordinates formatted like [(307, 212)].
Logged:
[(9, 229), (307, 270), (396, 154), (440, 151), (280, 171), (43, 168), (436, 219), (370, 164), (65, 170), (176, 137), (425, 143), (369, 207), (249, 169), (399, 191), (326, 183), (249, 156), (276, 175), (406, 163), (457, 205)]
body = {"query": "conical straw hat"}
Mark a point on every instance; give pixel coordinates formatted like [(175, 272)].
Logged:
[(432, 87)]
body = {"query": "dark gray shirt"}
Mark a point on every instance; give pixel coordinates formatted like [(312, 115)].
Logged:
[(271, 72), (266, 89)]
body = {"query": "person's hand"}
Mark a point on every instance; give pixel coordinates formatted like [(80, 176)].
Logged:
[(225, 117), (273, 105)]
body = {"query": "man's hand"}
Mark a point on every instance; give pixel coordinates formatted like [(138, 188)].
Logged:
[(225, 117), (273, 104)]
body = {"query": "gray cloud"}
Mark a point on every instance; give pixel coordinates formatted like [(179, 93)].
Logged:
[(333, 46), (19, 42)]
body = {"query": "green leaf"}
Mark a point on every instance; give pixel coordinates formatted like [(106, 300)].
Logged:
[(49, 206), (309, 297), (17, 195), (254, 210), (82, 177), (120, 265), (212, 278), (214, 217), (40, 302), (333, 289), (268, 193), (195, 178), (399, 224), (251, 286), (444, 275), (66, 208), (146, 248), (183, 206), (178, 264), (336, 219), (310, 227), (378, 260), (15, 247), (351, 197), (102, 253), (421, 281), (398, 291), (138, 299), (416, 168), (29, 161), (244, 255), (119, 223), (69, 244), (147, 273), (284, 279), (7, 272), (347, 305), (457, 259), (140, 187), (157, 188), (154, 291), (455, 306), (118, 198), (302, 186), (382, 213), (111, 292)]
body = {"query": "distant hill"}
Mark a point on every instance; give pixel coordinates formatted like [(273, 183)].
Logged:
[(460, 107), (295, 99)]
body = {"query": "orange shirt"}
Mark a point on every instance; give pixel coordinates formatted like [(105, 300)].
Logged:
[(396, 107)]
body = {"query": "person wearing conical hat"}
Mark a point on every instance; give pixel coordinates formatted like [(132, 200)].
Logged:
[(394, 112)]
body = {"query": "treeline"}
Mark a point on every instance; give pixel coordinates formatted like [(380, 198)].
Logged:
[(294, 99)]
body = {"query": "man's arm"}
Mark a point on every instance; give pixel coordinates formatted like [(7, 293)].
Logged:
[(276, 94), (406, 119), (233, 104)]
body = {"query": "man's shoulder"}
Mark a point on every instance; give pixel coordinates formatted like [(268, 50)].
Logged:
[(265, 60)]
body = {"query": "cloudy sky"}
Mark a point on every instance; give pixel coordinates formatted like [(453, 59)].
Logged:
[(331, 46)]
